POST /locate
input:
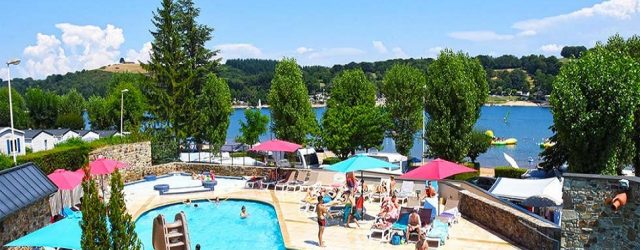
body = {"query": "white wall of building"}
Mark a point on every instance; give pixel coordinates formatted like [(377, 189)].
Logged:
[(70, 134), (42, 141), (90, 136), (5, 143)]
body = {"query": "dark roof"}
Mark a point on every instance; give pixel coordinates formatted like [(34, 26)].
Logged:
[(7, 130), (57, 132), (84, 132), (105, 133), (32, 133), (21, 186)]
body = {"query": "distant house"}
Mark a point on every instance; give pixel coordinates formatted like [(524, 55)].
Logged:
[(88, 135), (63, 134), (106, 133), (24, 201), (8, 146), (39, 140)]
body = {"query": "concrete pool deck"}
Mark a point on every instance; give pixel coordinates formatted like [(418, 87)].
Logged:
[(299, 229)]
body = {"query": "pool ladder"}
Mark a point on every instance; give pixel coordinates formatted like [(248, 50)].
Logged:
[(171, 236)]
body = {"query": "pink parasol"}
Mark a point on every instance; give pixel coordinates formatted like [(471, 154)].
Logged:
[(65, 180), (437, 169), (276, 145), (104, 166)]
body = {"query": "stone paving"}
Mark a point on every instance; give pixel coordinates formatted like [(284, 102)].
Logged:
[(300, 229)]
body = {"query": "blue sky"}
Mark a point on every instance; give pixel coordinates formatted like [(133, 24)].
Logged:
[(64, 35)]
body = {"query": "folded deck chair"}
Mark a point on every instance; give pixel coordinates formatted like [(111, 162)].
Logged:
[(425, 224), (312, 182), (406, 191), (283, 185), (297, 183), (381, 195)]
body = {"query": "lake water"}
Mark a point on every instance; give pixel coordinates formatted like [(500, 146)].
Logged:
[(530, 125)]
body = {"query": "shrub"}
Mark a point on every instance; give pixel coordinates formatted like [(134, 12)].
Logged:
[(509, 172), (464, 176), (330, 160)]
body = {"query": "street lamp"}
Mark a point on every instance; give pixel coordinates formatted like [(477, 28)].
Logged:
[(122, 109), (13, 135)]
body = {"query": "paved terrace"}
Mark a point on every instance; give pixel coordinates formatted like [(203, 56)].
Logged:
[(300, 229)]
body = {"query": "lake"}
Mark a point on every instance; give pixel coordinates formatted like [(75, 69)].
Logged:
[(530, 125)]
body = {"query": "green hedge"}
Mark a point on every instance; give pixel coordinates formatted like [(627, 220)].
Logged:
[(72, 154), (330, 160), (464, 176), (509, 172)]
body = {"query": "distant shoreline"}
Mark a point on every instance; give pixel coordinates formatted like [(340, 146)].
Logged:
[(506, 104)]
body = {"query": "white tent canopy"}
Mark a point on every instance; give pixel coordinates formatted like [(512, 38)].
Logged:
[(523, 189)]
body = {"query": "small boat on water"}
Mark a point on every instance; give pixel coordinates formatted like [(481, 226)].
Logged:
[(500, 141), (546, 144)]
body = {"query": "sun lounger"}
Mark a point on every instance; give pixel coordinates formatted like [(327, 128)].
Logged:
[(400, 226), (297, 183), (274, 183), (439, 230), (425, 224), (312, 182), (381, 195), (451, 213), (406, 191), (283, 185)]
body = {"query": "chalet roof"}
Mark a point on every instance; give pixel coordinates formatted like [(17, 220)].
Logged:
[(22, 186)]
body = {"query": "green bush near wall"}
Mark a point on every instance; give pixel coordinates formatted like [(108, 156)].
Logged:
[(464, 176), (509, 172), (330, 160)]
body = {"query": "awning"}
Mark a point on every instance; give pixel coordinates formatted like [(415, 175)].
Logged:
[(529, 190), (65, 233)]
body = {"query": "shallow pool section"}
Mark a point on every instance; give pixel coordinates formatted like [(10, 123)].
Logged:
[(180, 183), (220, 226)]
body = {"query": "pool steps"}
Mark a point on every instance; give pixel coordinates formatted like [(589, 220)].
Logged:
[(171, 236)]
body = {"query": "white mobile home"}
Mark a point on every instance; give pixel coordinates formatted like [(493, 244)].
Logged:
[(88, 135), (39, 140), (8, 145)]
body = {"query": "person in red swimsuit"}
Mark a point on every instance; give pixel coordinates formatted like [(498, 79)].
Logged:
[(321, 210)]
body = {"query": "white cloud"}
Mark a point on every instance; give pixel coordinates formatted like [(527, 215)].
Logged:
[(379, 46), (81, 47), (238, 50), (143, 55), (551, 48), (303, 50), (335, 52), (480, 36), (617, 9), (399, 53), (433, 52)]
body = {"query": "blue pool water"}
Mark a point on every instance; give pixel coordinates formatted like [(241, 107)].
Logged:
[(220, 227), (529, 125)]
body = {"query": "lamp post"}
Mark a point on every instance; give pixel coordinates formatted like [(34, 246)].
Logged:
[(13, 135), (122, 109)]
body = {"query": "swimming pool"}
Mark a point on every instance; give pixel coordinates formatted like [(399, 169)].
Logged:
[(220, 226), (180, 182)]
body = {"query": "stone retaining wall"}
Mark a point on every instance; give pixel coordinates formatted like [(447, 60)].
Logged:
[(136, 155), (587, 222), (25, 221), (523, 229), (221, 170)]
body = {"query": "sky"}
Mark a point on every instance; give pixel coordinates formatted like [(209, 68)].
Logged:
[(55, 37)]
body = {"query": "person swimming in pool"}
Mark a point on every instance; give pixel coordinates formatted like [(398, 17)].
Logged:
[(187, 202), (243, 212)]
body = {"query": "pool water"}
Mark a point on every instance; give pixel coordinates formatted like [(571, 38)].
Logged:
[(220, 227)]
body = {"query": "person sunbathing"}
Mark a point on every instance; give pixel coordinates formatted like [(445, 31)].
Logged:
[(310, 197)]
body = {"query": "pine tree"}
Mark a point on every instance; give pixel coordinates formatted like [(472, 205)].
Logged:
[(215, 109), (94, 221), (123, 235)]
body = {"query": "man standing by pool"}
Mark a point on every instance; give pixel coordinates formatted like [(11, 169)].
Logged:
[(321, 210)]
